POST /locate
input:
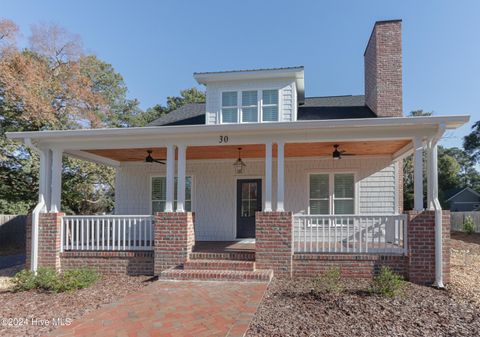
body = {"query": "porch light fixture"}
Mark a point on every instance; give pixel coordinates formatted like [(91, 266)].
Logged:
[(239, 164)]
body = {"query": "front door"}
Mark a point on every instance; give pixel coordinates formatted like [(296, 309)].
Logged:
[(249, 201)]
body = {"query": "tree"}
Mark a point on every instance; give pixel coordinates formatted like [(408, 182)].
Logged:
[(471, 142), (191, 95), (52, 84)]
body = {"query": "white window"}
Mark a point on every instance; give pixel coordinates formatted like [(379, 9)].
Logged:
[(249, 106), (229, 107), (270, 105), (159, 194), (332, 193)]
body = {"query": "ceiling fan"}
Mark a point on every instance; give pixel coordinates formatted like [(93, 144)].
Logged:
[(337, 154), (150, 159)]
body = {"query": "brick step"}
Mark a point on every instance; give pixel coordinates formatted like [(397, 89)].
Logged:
[(237, 256), (219, 265), (179, 273)]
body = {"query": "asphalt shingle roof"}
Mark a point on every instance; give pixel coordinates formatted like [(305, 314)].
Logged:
[(315, 108)]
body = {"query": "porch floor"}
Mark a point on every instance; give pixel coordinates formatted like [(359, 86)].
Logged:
[(224, 246)]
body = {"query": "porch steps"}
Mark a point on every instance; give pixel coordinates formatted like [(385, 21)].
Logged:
[(208, 264), (179, 273), (235, 256)]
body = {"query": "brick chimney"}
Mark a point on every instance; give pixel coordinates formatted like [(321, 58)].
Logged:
[(383, 69)]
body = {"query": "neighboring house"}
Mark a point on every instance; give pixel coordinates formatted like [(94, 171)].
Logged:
[(309, 182), (463, 200)]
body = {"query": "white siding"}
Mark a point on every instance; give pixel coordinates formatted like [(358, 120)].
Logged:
[(214, 185), (287, 96)]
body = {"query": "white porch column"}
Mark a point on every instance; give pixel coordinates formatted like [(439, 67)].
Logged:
[(170, 178), (430, 198), (56, 192), (42, 177), (280, 176), (268, 177), (418, 174), (181, 178)]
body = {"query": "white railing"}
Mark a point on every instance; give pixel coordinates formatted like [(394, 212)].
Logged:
[(350, 234), (107, 232)]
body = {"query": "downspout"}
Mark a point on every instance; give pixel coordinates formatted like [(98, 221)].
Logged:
[(39, 208), (438, 211)]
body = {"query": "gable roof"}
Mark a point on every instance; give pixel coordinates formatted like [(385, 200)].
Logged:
[(315, 108), (457, 191)]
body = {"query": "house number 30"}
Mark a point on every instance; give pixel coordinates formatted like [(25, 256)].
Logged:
[(223, 139)]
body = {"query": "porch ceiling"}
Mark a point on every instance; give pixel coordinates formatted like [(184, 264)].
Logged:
[(258, 150)]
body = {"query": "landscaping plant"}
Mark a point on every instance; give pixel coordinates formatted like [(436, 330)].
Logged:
[(469, 225), (330, 282), (50, 280), (387, 283)]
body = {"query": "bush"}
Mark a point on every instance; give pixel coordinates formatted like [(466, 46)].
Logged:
[(24, 280), (78, 279), (329, 282), (468, 225), (387, 283), (48, 279)]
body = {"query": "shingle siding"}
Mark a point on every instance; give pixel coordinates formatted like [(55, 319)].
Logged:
[(214, 189)]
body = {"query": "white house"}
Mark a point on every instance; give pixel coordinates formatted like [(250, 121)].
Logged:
[(259, 144)]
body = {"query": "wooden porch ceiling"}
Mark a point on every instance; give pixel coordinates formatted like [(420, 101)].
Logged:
[(258, 150)]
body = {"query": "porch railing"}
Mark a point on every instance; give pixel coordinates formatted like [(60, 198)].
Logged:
[(107, 232), (350, 234)]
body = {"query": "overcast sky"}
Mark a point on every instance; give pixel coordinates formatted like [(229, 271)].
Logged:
[(157, 46)]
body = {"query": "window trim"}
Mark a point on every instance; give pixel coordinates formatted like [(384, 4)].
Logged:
[(267, 105), (248, 106), (259, 105), (238, 107), (155, 175), (331, 187)]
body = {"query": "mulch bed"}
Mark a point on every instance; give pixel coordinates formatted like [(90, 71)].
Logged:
[(291, 309), (70, 305)]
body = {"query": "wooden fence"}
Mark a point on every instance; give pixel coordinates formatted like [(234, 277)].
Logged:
[(457, 219), (12, 230)]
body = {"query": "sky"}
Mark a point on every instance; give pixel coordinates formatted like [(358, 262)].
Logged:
[(158, 45)]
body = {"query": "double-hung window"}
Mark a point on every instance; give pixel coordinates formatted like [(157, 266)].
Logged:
[(229, 107), (249, 106), (332, 193), (270, 105), (159, 194)]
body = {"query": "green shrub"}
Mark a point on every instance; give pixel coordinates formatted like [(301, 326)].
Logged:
[(329, 282), (468, 225), (387, 283), (50, 280), (24, 280), (78, 279), (47, 279)]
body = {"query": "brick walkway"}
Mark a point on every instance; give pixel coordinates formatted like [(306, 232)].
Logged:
[(170, 308)]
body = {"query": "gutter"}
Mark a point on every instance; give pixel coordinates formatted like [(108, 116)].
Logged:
[(39, 208)]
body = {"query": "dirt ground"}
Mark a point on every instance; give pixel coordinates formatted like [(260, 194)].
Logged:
[(291, 309)]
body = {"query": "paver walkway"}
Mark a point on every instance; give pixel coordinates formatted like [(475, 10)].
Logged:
[(175, 308)]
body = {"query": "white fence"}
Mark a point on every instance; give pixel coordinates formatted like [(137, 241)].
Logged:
[(350, 234), (107, 232)]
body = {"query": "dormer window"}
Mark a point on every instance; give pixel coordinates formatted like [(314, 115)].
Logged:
[(249, 106), (270, 105), (229, 107)]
